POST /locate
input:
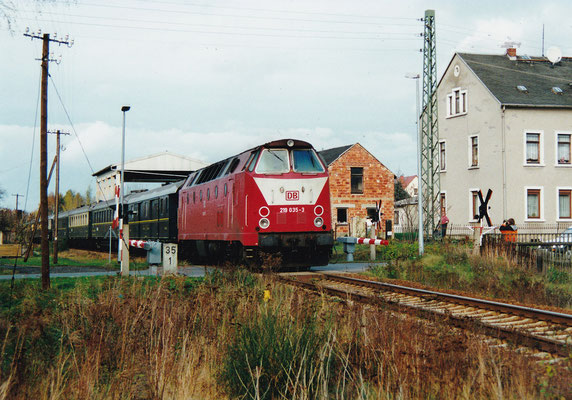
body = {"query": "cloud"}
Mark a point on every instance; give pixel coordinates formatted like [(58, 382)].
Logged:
[(101, 144)]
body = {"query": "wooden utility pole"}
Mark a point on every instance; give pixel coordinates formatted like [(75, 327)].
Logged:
[(44, 165), (17, 196), (57, 196), (44, 154)]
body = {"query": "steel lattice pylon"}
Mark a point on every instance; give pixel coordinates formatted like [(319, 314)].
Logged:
[(429, 130)]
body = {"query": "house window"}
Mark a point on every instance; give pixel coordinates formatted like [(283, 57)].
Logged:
[(474, 204), (396, 217), (565, 203), (357, 180), (533, 148), (456, 103), (474, 151), (442, 156), (443, 201), (533, 204), (563, 149), (342, 216)]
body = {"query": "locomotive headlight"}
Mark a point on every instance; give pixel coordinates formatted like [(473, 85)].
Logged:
[(264, 223), (318, 222), (318, 210), (290, 143), (264, 211)]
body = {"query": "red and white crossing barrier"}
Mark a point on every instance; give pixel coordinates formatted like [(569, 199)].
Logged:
[(377, 242), (140, 244), (350, 244)]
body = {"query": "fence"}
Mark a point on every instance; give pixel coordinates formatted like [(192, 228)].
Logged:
[(532, 246), (407, 232), (532, 250)]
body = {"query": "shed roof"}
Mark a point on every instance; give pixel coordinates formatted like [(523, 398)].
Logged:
[(539, 76)]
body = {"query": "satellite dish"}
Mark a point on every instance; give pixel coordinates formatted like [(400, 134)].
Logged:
[(554, 54)]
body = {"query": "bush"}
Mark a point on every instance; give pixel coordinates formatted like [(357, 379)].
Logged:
[(271, 356), (398, 251)]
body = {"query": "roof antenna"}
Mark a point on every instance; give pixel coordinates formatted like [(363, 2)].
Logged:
[(542, 40)]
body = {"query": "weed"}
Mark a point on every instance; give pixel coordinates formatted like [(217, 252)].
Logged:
[(268, 354)]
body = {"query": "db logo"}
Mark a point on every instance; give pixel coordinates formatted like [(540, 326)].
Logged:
[(292, 195)]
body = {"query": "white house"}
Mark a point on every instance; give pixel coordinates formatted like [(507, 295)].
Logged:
[(505, 123), (410, 184)]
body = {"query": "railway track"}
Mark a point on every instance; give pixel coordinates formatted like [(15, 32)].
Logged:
[(544, 330)]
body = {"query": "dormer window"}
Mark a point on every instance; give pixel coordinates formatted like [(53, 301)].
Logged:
[(456, 103), (522, 88)]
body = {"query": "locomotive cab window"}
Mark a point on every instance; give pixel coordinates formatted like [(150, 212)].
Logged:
[(253, 161), (306, 161), (273, 162)]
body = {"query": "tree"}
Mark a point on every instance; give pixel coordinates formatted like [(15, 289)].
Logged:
[(88, 195), (8, 11), (399, 192), (52, 202), (68, 200)]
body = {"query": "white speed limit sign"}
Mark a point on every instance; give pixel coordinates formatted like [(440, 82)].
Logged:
[(170, 254)]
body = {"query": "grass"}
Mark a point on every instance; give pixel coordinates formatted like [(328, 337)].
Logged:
[(217, 338), (74, 258), (453, 267)]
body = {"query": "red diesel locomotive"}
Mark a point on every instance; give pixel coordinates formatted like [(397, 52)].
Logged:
[(274, 198)]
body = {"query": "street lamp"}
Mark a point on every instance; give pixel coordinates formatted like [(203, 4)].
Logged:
[(419, 180), (124, 264)]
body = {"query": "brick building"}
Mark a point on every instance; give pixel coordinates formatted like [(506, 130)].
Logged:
[(358, 181)]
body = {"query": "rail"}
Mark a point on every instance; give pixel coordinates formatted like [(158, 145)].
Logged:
[(546, 330)]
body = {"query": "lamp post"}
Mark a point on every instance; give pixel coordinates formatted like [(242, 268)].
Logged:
[(419, 180), (122, 245)]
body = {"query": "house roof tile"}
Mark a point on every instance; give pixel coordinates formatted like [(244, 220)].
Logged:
[(331, 155), (502, 75)]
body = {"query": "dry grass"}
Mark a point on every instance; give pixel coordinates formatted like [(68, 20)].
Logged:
[(141, 339)]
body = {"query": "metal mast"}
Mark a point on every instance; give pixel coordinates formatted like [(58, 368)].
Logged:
[(430, 181)]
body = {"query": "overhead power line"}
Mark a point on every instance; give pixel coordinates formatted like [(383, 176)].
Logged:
[(281, 11), (258, 17), (241, 27), (148, 28), (76, 134)]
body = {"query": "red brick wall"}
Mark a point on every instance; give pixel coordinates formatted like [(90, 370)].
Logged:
[(377, 185)]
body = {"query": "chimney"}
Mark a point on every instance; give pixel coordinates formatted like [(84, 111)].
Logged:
[(511, 53)]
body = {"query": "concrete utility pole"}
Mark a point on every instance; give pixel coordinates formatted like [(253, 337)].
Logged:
[(57, 195), (44, 153), (123, 230), (417, 77)]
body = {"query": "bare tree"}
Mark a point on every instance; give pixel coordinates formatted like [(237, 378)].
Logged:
[(9, 11)]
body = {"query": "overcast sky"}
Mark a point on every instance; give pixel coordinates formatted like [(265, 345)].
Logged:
[(208, 79)]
